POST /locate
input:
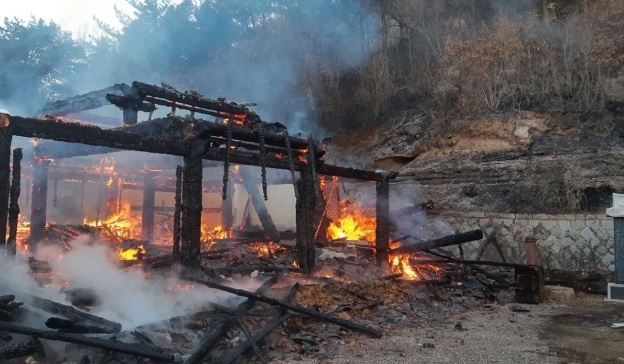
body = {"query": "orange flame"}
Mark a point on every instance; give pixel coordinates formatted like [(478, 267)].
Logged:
[(212, 234), (401, 264), (352, 226), (132, 253)]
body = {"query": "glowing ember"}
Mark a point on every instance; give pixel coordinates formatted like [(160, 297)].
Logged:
[(211, 234), (266, 249), (132, 253)]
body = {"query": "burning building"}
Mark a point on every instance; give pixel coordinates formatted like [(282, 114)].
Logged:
[(232, 197)]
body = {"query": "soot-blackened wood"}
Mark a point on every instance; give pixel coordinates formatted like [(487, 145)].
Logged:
[(6, 299), (309, 179), (68, 326), (283, 151), (22, 349), (177, 213), (92, 135), (191, 211), (39, 202), (231, 355), (130, 116), (304, 217), (14, 209), (215, 336), (206, 129), (248, 158), (300, 225), (382, 217), (5, 175), (72, 313), (149, 200), (301, 310), (128, 102), (353, 173), (110, 345), (60, 150), (227, 209), (84, 102), (439, 243), (258, 203), (193, 99)]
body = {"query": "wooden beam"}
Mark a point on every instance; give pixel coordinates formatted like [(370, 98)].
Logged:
[(5, 175), (258, 203)]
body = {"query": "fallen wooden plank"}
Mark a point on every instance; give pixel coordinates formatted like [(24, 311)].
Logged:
[(213, 338), (22, 349), (282, 315), (298, 309), (71, 313), (68, 326), (110, 345), (439, 243)]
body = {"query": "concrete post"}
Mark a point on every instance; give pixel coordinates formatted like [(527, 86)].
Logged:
[(617, 213)]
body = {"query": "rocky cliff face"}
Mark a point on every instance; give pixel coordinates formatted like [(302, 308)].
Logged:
[(522, 163)]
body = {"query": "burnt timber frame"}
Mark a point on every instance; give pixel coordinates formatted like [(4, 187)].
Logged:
[(133, 138)]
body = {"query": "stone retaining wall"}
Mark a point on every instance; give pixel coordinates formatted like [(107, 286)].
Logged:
[(571, 242)]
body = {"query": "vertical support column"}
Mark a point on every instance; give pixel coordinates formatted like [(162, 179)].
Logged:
[(14, 208), (618, 240), (5, 174), (39, 201), (227, 208), (617, 213), (305, 208), (191, 211), (258, 203), (149, 200), (130, 116), (177, 213), (382, 228)]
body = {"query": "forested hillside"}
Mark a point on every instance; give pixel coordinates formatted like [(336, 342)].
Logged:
[(495, 100)]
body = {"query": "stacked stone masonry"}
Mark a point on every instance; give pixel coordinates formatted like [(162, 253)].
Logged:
[(572, 242)]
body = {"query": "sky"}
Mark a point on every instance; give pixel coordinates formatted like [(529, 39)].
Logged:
[(72, 15)]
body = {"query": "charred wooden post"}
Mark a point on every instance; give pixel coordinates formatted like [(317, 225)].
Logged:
[(382, 216), (149, 200), (105, 344), (227, 210), (14, 194), (22, 349), (177, 213), (305, 218), (191, 211), (39, 201), (130, 116), (258, 203), (5, 174)]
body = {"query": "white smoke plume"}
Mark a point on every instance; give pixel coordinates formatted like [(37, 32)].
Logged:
[(128, 296)]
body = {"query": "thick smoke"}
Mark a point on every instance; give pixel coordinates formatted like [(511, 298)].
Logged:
[(265, 57), (129, 296)]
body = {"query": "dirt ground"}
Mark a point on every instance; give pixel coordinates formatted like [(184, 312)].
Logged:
[(574, 333)]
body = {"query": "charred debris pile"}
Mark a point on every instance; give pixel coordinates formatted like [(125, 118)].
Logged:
[(345, 264)]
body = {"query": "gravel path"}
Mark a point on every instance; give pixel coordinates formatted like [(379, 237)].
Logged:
[(487, 335)]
